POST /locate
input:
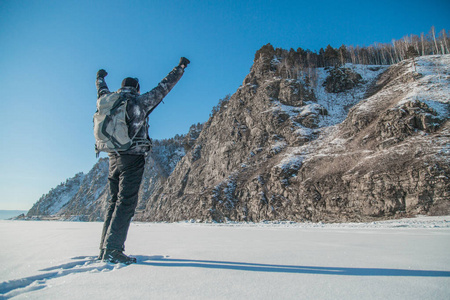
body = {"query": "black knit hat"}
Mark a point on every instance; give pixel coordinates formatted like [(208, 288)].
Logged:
[(133, 82)]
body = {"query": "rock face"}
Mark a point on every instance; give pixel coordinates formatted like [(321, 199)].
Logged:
[(278, 150), (353, 143), (341, 80)]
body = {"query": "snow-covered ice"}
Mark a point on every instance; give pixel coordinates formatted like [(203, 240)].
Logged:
[(397, 259)]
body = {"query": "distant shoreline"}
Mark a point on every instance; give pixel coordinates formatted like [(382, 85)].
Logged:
[(6, 214)]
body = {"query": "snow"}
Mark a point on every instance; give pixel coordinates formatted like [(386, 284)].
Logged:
[(432, 87), (304, 131), (61, 201), (338, 104), (290, 162), (335, 104), (397, 259), (278, 147)]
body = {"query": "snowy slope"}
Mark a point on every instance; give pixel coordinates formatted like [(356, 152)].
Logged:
[(431, 85), (336, 104), (58, 197), (428, 83), (398, 259), (432, 88)]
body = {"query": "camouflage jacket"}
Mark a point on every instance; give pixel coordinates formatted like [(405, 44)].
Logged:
[(140, 106)]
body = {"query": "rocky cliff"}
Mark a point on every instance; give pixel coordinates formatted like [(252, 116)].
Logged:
[(345, 143), (349, 143)]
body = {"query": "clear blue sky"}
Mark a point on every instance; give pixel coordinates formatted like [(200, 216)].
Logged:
[(50, 52)]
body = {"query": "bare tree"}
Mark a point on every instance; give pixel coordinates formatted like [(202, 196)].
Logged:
[(415, 43), (301, 63), (313, 77), (422, 38), (433, 34), (343, 54), (383, 52), (351, 51), (444, 41)]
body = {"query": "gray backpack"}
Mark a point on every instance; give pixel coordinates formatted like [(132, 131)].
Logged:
[(110, 125)]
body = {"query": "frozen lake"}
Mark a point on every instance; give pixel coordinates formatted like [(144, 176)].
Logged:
[(401, 259)]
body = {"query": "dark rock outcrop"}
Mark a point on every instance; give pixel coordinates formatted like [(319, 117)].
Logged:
[(341, 79)]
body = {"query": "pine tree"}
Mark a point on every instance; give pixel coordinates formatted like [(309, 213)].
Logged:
[(321, 58), (330, 56), (412, 53)]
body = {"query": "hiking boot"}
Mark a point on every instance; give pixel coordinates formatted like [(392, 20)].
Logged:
[(117, 257), (100, 256)]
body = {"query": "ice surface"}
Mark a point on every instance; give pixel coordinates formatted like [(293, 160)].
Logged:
[(398, 259)]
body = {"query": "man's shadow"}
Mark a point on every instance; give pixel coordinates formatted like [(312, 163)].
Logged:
[(89, 264), (162, 261)]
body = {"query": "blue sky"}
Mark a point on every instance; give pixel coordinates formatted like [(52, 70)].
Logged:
[(50, 52)]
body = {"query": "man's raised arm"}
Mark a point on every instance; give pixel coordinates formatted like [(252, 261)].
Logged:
[(151, 99), (102, 87)]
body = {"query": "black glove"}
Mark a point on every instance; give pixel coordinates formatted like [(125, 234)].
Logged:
[(101, 73), (184, 62)]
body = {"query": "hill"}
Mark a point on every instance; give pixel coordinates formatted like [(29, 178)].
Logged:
[(343, 143)]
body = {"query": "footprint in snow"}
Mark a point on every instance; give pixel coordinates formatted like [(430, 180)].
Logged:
[(81, 264)]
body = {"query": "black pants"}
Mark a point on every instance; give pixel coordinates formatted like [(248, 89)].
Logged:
[(125, 176)]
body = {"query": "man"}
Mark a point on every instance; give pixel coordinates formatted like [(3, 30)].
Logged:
[(127, 167)]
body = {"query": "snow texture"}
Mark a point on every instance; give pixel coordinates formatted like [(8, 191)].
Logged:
[(337, 104), (433, 73), (435, 76), (397, 259), (290, 162)]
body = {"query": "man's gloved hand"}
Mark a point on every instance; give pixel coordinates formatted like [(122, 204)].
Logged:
[(101, 73), (184, 62)]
